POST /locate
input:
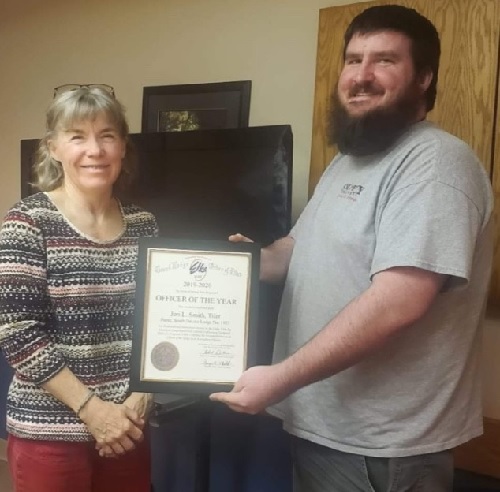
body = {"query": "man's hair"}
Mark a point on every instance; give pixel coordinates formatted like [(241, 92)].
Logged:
[(425, 45)]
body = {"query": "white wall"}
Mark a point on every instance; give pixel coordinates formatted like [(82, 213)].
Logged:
[(130, 44)]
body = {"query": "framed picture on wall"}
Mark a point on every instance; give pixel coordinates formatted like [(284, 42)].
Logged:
[(185, 107)]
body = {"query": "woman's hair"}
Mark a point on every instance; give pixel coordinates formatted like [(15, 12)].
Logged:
[(73, 106)]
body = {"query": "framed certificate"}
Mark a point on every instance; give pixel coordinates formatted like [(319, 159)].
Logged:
[(196, 315)]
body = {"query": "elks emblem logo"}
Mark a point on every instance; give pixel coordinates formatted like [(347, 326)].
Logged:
[(198, 268), (350, 189), (351, 192)]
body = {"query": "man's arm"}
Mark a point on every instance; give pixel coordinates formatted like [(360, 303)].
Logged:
[(396, 298), (274, 259)]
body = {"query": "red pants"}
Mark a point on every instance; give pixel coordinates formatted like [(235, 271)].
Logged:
[(51, 466)]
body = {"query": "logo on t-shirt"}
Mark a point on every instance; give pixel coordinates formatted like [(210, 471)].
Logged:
[(351, 192)]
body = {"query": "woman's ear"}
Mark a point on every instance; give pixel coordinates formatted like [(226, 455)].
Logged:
[(51, 145)]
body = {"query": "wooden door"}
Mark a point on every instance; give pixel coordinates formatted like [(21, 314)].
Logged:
[(467, 87), (466, 106), (495, 277)]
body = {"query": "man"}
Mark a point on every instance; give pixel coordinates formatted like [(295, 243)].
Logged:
[(377, 344)]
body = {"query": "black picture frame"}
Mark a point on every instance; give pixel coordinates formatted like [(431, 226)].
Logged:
[(138, 381), (216, 105)]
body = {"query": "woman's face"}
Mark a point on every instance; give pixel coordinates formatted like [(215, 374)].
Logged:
[(91, 154)]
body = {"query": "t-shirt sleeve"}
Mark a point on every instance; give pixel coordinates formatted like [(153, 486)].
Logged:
[(428, 225)]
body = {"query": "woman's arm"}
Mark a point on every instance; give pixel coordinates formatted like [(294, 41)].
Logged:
[(25, 309)]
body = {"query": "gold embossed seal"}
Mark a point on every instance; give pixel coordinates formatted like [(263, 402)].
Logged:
[(164, 356)]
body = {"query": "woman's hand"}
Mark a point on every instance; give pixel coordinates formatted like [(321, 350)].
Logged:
[(116, 428), (142, 403)]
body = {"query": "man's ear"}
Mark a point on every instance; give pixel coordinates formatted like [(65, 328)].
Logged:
[(424, 79)]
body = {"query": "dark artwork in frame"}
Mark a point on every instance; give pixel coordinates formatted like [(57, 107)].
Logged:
[(187, 107), (192, 119)]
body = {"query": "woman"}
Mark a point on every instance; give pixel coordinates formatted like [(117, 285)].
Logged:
[(67, 282)]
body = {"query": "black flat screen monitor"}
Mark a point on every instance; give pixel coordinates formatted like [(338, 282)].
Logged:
[(208, 184)]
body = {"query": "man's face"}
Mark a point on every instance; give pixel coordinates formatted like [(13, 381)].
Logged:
[(377, 73), (379, 95)]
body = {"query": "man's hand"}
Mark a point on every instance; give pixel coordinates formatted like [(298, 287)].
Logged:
[(274, 259), (257, 388), (239, 238)]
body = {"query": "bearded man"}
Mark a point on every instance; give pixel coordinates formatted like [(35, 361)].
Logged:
[(375, 372)]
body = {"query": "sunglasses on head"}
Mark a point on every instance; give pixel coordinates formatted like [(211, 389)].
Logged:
[(74, 87)]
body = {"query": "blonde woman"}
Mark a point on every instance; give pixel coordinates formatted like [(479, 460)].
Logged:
[(67, 280)]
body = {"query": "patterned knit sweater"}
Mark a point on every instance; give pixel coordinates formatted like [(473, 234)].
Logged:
[(65, 301)]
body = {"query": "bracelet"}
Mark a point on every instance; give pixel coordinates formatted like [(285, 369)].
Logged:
[(89, 396)]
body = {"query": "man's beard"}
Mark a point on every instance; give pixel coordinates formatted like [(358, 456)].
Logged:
[(374, 131)]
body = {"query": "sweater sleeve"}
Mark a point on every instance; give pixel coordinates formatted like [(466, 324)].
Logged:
[(25, 314)]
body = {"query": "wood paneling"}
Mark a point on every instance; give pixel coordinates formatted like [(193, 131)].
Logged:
[(495, 277)]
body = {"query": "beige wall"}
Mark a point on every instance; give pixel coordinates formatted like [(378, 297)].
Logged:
[(135, 43), (130, 44)]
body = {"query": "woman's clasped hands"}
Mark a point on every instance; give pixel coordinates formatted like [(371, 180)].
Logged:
[(116, 427)]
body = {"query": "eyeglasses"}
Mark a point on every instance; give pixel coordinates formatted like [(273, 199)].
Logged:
[(74, 87)]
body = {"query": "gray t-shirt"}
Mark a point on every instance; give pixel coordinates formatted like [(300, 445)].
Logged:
[(425, 203)]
